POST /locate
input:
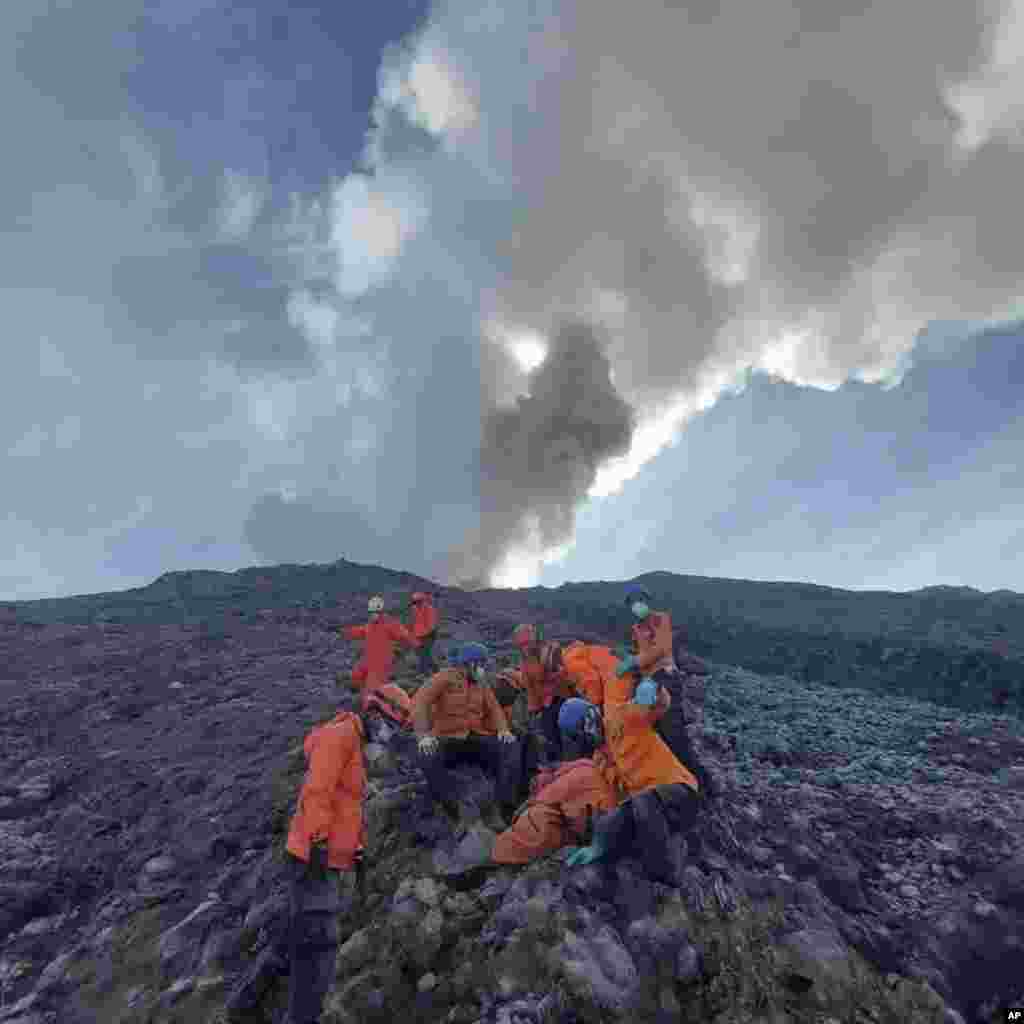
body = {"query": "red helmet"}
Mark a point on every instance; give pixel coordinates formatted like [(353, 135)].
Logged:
[(417, 597)]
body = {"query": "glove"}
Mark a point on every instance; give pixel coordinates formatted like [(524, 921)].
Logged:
[(646, 693), (428, 745), (318, 860), (626, 665), (585, 855), (506, 737)]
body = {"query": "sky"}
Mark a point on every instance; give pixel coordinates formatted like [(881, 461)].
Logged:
[(512, 293)]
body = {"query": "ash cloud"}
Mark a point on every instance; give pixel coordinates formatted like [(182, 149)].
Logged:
[(792, 187), (539, 457)]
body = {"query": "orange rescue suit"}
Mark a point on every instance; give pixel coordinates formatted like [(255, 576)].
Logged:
[(642, 759), (590, 669), (556, 815), (449, 705), (392, 701), (652, 644), (424, 619), (541, 687), (380, 635), (331, 800)]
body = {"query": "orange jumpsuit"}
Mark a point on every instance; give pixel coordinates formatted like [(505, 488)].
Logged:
[(642, 758), (424, 619), (450, 706), (590, 669), (556, 815), (380, 636), (652, 642), (331, 800)]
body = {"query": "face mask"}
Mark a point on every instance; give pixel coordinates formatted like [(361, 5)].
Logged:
[(640, 610)]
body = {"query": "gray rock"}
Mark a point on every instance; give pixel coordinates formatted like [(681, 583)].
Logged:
[(17, 1011), (839, 880), (687, 964), (160, 867), (222, 947), (180, 946), (177, 992), (355, 952)]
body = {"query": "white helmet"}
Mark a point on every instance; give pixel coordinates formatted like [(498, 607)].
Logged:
[(376, 604)]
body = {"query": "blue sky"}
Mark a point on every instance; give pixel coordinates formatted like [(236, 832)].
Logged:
[(286, 284)]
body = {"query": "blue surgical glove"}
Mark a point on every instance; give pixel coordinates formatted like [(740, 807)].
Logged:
[(585, 855), (626, 665), (646, 693)]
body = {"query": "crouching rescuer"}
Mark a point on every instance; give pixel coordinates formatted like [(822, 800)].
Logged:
[(559, 813), (661, 792), (324, 853), (457, 718)]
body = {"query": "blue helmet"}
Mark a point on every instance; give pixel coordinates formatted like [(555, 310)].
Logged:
[(580, 721), (572, 712), (471, 654), (636, 593)]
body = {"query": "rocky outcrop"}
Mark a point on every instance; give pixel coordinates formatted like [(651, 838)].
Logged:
[(864, 860)]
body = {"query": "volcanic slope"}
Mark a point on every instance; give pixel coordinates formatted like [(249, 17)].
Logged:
[(865, 861)]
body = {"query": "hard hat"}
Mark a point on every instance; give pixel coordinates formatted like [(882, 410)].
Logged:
[(376, 604), (571, 713), (417, 597)]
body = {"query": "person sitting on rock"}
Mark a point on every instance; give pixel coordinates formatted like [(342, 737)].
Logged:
[(661, 792), (457, 718), (372, 675), (653, 656), (559, 811), (590, 671), (324, 852), (424, 628), (540, 676)]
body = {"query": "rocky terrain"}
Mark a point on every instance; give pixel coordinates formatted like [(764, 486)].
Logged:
[(865, 862)]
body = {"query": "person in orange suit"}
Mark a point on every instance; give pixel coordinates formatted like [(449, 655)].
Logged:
[(590, 670), (457, 718), (372, 675), (661, 794), (541, 677), (424, 629), (653, 657), (323, 855), (560, 809)]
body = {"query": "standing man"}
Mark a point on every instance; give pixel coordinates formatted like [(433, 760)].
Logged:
[(324, 853), (424, 629), (652, 657), (380, 634)]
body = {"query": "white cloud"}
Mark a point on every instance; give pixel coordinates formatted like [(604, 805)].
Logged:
[(371, 219), (243, 200)]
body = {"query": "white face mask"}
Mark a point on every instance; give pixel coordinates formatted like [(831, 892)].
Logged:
[(640, 610)]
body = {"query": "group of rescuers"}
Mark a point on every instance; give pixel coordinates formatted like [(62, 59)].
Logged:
[(619, 776)]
